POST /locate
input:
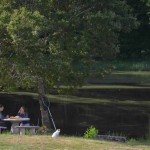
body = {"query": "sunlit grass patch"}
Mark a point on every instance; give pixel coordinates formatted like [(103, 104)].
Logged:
[(45, 142)]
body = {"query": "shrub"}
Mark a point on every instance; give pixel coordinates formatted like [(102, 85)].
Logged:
[(91, 132)]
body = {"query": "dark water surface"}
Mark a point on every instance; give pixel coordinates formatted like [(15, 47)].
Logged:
[(75, 118)]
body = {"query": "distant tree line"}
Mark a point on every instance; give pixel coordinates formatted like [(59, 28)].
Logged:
[(136, 44)]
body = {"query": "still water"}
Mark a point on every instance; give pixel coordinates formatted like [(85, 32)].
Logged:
[(74, 119), (130, 118)]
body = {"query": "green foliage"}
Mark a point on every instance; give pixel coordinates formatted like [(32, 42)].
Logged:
[(91, 132), (59, 43), (135, 45), (27, 132), (6, 132), (138, 140), (132, 140)]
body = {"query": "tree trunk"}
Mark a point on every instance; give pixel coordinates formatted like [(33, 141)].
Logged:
[(44, 113)]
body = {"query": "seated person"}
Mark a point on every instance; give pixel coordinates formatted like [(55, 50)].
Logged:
[(22, 113), (2, 116)]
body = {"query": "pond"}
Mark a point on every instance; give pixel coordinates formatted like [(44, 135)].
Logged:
[(112, 119), (129, 118)]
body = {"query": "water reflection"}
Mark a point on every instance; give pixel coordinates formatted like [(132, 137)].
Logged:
[(74, 119)]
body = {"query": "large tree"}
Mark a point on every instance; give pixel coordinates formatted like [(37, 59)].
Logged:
[(44, 43)]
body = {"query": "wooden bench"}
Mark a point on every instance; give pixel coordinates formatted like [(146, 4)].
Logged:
[(32, 129), (1, 127)]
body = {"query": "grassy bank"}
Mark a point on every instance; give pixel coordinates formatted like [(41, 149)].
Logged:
[(82, 100), (43, 142), (132, 65), (128, 79)]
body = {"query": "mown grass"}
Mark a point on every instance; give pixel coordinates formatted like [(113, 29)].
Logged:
[(86, 100), (141, 78), (45, 142), (127, 79), (143, 73), (82, 100), (131, 65), (123, 76), (114, 87)]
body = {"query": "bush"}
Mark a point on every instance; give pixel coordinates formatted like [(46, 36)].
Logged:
[(91, 132)]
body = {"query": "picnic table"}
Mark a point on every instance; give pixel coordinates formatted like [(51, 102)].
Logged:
[(15, 122), (32, 129)]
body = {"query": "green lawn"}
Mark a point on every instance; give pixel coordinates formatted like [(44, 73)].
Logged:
[(124, 78), (142, 73), (114, 87), (45, 142), (76, 99)]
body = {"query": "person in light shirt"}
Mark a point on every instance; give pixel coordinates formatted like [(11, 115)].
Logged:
[(22, 113)]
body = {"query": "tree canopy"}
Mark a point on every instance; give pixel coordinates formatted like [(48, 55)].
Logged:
[(136, 44), (57, 40)]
